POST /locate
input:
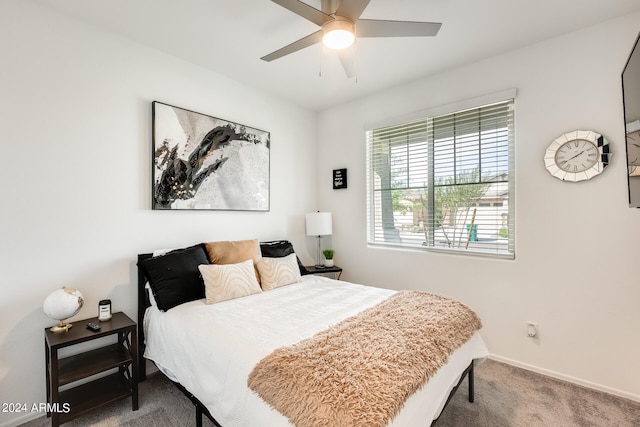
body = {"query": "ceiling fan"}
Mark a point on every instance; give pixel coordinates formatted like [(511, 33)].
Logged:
[(340, 24)]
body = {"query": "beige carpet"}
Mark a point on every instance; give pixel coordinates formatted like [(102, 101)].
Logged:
[(505, 397), (508, 396)]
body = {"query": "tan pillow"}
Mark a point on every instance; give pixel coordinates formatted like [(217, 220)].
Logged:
[(233, 252), (228, 281), (276, 272)]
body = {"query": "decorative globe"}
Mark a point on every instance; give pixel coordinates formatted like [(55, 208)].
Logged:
[(62, 304)]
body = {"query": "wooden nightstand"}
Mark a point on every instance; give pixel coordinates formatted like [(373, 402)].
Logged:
[(337, 271), (76, 400)]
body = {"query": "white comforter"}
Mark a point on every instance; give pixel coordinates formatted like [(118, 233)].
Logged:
[(211, 349)]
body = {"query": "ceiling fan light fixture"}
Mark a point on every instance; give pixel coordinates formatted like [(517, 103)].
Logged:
[(338, 34)]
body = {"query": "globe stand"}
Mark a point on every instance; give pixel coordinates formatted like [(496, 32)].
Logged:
[(61, 327)]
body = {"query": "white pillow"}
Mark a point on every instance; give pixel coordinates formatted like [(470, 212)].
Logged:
[(276, 272), (227, 281)]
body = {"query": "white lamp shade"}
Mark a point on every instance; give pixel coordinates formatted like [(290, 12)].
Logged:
[(319, 224)]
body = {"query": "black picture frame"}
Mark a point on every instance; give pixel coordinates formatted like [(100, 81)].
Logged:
[(339, 179), (201, 162)]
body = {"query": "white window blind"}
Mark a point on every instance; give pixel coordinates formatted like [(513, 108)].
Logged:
[(445, 182)]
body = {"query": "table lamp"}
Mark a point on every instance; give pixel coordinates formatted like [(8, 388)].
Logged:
[(319, 224)]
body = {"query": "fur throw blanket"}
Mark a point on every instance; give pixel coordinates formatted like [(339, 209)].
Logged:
[(360, 371)]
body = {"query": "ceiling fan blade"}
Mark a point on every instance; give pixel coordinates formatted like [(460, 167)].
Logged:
[(295, 46), (307, 12), (348, 60), (379, 28), (352, 9)]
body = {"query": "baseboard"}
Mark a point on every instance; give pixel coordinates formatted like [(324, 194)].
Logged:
[(22, 419), (567, 378)]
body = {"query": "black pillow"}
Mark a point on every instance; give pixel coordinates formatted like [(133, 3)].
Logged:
[(174, 278), (279, 249)]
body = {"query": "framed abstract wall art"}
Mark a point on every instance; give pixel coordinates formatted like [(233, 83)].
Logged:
[(202, 162)]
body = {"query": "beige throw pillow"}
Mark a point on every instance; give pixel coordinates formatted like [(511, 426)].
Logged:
[(276, 272), (228, 281)]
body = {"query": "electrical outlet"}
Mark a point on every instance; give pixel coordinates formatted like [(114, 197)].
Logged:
[(532, 329)]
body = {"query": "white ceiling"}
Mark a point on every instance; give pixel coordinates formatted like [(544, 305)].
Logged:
[(229, 37)]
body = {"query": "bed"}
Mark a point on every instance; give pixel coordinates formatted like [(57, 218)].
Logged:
[(212, 351)]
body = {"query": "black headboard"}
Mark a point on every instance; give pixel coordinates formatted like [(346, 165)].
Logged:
[(143, 303)]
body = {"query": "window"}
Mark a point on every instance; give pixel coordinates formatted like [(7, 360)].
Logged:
[(444, 182)]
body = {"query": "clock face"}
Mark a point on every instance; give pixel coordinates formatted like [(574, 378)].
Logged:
[(577, 155)]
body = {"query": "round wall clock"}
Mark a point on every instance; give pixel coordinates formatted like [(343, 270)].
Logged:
[(577, 156)]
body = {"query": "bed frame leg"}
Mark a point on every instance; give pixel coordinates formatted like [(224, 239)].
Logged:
[(198, 416), (471, 386), (468, 372)]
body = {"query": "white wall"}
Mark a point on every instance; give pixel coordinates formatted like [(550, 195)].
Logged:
[(75, 139), (576, 267)]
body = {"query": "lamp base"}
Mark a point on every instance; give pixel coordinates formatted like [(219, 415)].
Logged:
[(61, 327), (320, 266)]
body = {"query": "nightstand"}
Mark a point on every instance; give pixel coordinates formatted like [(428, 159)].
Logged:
[(120, 357), (337, 271)]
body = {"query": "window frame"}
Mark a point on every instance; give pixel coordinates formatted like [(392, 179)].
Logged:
[(426, 115)]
